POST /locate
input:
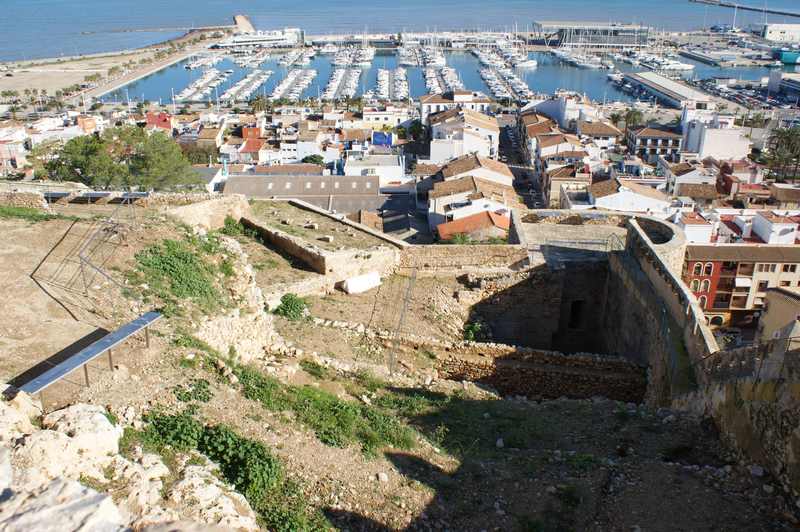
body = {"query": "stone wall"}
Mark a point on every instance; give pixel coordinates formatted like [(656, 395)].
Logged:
[(454, 259), (545, 308), (210, 214), (337, 265), (547, 374), (760, 419), (174, 199), (32, 200)]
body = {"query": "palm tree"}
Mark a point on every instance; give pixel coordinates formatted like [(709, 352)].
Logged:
[(259, 104), (615, 118), (633, 117)]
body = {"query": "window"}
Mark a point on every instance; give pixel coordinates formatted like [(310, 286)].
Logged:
[(695, 285), (773, 267), (288, 186), (336, 185), (717, 320), (763, 285), (576, 314), (790, 268), (702, 302), (354, 185), (698, 268), (760, 267), (322, 184), (709, 268), (785, 283), (269, 186), (705, 286), (369, 185), (308, 186)]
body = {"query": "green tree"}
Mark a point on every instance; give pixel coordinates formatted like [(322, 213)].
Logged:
[(200, 154), (42, 155), (417, 130), (633, 117), (616, 118), (313, 159), (260, 104), (160, 164), (783, 159)]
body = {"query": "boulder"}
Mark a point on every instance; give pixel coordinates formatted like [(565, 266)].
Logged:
[(88, 426), (59, 506), (207, 499)]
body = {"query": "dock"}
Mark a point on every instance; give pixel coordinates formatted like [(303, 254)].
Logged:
[(771, 11)]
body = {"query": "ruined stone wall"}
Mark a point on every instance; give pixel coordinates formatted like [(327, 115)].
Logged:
[(337, 265), (453, 259), (32, 200), (210, 214), (174, 199), (758, 419), (547, 374)]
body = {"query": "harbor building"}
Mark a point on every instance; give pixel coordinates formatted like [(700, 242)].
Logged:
[(780, 32), (285, 38), (670, 92), (600, 35)]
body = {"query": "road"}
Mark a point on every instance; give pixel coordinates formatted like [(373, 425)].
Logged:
[(511, 153)]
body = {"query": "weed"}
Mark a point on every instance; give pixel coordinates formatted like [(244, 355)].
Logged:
[(316, 370), (245, 463), (335, 422), (175, 272), (472, 331), (368, 380), (226, 267), (292, 307), (191, 342), (582, 461), (114, 420), (196, 390), (232, 228), (30, 214)]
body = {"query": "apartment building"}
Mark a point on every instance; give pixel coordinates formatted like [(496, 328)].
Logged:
[(436, 103), (730, 281), (650, 143)]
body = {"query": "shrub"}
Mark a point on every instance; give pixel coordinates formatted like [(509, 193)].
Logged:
[(292, 307), (179, 431), (232, 227), (472, 331)]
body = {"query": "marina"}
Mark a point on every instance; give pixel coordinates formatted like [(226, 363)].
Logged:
[(374, 72)]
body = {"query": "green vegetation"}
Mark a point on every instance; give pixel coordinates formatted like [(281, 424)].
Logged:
[(125, 157), (245, 463), (313, 159), (335, 422), (176, 271), (292, 307), (29, 214), (316, 370), (472, 331), (462, 239), (783, 158), (196, 390)]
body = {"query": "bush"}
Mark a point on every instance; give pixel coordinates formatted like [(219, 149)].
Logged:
[(292, 307), (472, 331), (245, 463), (232, 227)]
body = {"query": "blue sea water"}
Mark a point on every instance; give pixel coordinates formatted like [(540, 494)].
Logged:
[(549, 76), (46, 28)]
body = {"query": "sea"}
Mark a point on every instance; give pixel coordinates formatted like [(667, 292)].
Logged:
[(51, 28)]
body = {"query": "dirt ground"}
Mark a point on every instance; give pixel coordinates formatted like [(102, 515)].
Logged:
[(274, 213)]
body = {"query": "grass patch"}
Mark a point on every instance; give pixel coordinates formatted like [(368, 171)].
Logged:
[(176, 271), (315, 370), (245, 463), (292, 307), (335, 422), (30, 214), (196, 390)]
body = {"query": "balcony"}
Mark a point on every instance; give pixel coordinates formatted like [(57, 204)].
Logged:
[(746, 269)]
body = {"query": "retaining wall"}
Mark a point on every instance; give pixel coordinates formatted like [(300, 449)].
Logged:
[(33, 200), (452, 259), (210, 214), (547, 374)]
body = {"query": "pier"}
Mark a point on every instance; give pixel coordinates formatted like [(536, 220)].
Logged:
[(718, 3)]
